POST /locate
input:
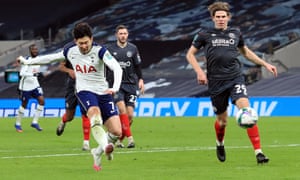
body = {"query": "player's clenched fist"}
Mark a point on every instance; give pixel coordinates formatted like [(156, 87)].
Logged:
[(21, 59)]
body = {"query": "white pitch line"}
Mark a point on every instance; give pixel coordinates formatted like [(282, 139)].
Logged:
[(152, 150)]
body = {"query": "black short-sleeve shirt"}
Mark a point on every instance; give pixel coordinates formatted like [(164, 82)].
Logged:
[(128, 58), (221, 52)]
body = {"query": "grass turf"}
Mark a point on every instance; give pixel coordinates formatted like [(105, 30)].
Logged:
[(166, 148)]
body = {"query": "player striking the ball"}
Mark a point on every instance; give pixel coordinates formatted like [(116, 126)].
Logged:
[(95, 97)]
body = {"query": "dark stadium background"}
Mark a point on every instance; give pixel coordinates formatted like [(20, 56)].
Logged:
[(267, 26)]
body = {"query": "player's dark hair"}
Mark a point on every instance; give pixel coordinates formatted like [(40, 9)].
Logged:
[(121, 26), (32, 48), (81, 30), (219, 6)]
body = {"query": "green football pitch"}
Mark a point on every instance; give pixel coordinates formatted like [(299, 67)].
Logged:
[(166, 148)]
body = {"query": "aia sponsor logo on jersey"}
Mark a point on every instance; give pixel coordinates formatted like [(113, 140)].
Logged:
[(85, 68)]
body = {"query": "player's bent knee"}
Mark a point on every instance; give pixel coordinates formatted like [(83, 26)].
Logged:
[(116, 131), (96, 120)]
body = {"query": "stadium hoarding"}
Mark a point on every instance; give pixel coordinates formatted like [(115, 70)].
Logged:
[(160, 107), (265, 106)]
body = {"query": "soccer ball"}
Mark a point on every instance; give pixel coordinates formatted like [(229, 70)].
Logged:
[(246, 117)]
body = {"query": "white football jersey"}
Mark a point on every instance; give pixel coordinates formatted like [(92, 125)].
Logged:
[(89, 68), (28, 81)]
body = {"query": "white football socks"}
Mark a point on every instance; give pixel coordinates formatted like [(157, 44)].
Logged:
[(20, 115), (98, 132), (37, 113)]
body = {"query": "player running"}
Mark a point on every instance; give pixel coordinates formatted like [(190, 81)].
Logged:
[(222, 45), (29, 87), (129, 59)]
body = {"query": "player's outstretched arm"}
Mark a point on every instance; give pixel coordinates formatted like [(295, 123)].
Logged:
[(44, 59), (250, 55)]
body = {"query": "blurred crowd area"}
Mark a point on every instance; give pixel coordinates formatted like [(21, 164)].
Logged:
[(262, 22)]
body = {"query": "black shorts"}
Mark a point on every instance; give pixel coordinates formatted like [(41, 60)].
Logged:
[(128, 94), (234, 90), (70, 96)]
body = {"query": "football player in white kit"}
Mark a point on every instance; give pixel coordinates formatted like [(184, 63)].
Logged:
[(29, 87), (94, 96)]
